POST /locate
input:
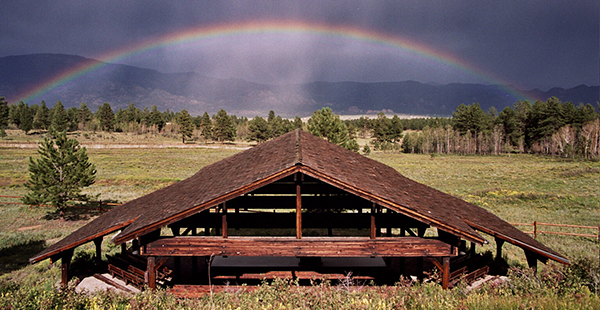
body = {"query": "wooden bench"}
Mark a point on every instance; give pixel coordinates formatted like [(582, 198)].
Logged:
[(457, 275), (132, 269), (472, 276)]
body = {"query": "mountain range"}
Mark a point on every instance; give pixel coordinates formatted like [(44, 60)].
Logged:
[(120, 85)]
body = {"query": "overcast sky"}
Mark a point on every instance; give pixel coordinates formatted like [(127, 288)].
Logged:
[(526, 43)]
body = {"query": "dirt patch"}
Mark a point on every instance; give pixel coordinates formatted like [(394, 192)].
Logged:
[(29, 228)]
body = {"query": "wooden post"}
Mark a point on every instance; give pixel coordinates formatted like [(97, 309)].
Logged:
[(65, 260), (499, 244), (421, 231), (373, 226), (445, 272), (531, 260), (151, 272), (98, 244), (224, 220), (534, 229), (472, 248), (135, 246), (123, 247), (298, 207)]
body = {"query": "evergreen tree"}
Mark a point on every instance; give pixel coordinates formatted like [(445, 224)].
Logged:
[(132, 114), (224, 128), (381, 128), (60, 119), (186, 128), (469, 118), (206, 126), (4, 116), (395, 130), (326, 124), (85, 115), (155, 118), (13, 114), (106, 117), (258, 129), (297, 124), (26, 115), (40, 120), (58, 176), (73, 117)]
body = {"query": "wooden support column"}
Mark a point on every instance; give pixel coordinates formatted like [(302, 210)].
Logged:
[(298, 206), (531, 260), (444, 268), (98, 244), (373, 226), (499, 244), (472, 248), (224, 220), (123, 247), (177, 267), (65, 260), (135, 246), (445, 272), (151, 272)]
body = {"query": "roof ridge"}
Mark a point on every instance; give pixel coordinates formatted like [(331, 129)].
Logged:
[(298, 146)]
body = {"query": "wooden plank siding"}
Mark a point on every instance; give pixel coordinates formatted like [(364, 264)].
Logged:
[(305, 247)]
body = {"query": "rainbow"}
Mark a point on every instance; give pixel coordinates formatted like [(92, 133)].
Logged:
[(267, 27)]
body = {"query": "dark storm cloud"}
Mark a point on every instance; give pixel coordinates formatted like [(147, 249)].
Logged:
[(529, 43)]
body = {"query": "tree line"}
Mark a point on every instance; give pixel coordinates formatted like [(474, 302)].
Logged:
[(544, 127)]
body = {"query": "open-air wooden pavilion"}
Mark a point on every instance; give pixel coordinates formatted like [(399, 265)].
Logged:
[(296, 196)]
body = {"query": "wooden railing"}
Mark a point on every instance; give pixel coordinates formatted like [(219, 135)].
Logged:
[(537, 231)]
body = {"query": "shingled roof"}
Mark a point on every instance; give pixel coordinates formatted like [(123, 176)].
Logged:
[(298, 151)]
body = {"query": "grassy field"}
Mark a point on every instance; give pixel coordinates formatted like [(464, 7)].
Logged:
[(519, 188)]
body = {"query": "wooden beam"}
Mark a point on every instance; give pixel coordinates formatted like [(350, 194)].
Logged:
[(499, 244), (224, 220), (151, 272), (65, 260), (98, 244), (309, 220), (445, 272), (298, 207), (531, 259), (308, 246), (373, 226)]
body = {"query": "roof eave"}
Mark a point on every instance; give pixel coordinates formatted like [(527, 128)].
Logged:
[(523, 245), (397, 207), (120, 238)]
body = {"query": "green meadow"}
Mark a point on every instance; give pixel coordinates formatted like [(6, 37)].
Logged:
[(517, 188)]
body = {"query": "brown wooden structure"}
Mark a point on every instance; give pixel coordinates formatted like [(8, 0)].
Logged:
[(297, 196)]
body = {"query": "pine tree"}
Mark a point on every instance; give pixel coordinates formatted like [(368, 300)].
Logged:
[(297, 124), (155, 118), (186, 128), (41, 116), (60, 119), (106, 116), (206, 126), (58, 176), (258, 130), (224, 128), (85, 115), (4, 116), (326, 124), (26, 115)]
